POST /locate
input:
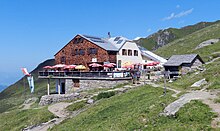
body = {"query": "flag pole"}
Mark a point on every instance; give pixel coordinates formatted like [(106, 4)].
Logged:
[(24, 88)]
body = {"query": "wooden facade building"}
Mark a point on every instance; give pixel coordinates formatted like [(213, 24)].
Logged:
[(85, 50)]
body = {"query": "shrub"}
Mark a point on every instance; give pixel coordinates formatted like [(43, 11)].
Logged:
[(105, 95)]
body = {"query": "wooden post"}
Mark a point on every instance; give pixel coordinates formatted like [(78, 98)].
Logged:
[(144, 73), (59, 86), (165, 88), (48, 87)]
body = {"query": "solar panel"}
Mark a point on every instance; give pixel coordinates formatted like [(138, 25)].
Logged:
[(92, 37), (119, 42), (117, 38), (96, 40)]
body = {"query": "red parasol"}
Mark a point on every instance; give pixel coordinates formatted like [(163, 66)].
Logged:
[(48, 67), (110, 65), (150, 64), (95, 65), (69, 66), (59, 66)]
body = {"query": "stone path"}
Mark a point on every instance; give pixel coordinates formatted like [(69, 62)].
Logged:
[(206, 97), (172, 108)]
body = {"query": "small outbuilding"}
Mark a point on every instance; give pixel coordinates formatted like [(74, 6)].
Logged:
[(182, 64)]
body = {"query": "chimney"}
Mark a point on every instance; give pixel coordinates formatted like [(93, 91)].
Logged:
[(109, 35)]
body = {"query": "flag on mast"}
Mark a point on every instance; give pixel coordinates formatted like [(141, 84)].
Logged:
[(31, 83), (24, 70), (29, 78)]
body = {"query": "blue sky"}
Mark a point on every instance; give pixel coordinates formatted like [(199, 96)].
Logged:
[(33, 31)]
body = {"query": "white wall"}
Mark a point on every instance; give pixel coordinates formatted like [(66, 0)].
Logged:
[(125, 58)]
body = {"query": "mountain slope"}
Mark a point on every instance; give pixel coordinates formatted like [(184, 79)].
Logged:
[(189, 43), (2, 87), (163, 37), (15, 94)]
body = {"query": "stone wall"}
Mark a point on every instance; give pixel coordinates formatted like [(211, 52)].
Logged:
[(91, 84), (50, 99)]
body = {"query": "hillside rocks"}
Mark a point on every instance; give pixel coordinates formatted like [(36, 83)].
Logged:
[(50, 99), (199, 83), (174, 107), (207, 43), (163, 38)]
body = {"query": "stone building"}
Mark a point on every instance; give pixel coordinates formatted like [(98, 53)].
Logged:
[(182, 64)]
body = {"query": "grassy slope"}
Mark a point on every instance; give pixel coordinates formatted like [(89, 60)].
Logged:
[(187, 45), (139, 109), (15, 95), (151, 41), (18, 119)]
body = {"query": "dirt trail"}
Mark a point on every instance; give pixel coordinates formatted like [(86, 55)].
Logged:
[(216, 108), (58, 110), (212, 60), (168, 88)]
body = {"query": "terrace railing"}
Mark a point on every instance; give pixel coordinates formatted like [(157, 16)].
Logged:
[(75, 74)]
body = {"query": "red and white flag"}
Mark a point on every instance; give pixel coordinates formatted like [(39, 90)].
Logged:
[(24, 70)]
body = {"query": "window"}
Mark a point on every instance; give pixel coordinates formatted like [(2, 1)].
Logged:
[(124, 52), (119, 63), (63, 60), (76, 52), (81, 51), (92, 51), (135, 53), (129, 52), (73, 52), (80, 40)]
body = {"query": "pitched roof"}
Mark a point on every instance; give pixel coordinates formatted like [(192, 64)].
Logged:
[(101, 42), (118, 41), (177, 60), (151, 55)]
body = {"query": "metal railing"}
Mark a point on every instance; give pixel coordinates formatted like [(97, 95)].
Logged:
[(117, 74)]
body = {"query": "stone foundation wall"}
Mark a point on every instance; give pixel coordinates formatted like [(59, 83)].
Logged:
[(91, 84), (50, 99)]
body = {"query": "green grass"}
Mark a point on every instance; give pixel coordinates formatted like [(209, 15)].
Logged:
[(16, 94), (105, 95), (174, 34), (96, 90), (139, 109), (18, 119), (76, 106), (188, 43), (217, 100)]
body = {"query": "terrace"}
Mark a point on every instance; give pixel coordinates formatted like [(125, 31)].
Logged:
[(92, 75)]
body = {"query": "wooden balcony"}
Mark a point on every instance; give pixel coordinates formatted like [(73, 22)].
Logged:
[(96, 75)]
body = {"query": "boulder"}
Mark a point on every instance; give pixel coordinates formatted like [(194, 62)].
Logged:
[(199, 83), (90, 101)]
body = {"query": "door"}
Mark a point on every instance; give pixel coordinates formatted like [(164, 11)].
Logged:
[(119, 63), (63, 88)]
